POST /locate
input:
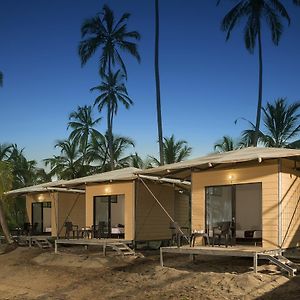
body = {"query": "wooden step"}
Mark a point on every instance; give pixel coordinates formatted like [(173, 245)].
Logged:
[(122, 249)]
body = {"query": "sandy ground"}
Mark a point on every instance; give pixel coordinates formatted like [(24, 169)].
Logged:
[(80, 274)]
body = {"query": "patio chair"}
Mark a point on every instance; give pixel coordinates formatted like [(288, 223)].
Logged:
[(27, 229), (100, 230), (177, 234), (70, 228), (223, 230), (34, 228)]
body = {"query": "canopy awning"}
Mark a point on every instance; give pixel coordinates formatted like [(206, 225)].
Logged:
[(182, 170)]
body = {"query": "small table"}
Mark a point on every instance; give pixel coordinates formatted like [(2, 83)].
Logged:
[(86, 233), (194, 235)]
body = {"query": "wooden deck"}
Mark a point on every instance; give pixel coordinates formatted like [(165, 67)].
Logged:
[(90, 242), (237, 251)]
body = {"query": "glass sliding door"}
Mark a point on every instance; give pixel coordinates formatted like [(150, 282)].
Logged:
[(220, 206), (37, 217), (41, 217), (102, 214)]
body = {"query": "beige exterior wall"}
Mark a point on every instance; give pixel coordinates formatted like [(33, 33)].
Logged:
[(290, 205), (123, 188), (62, 204), (265, 173), (151, 221), (43, 197)]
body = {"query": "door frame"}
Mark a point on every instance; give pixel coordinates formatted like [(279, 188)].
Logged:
[(233, 197), (42, 215), (109, 202), (233, 205)]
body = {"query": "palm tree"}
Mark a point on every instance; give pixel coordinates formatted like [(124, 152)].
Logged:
[(137, 162), (174, 151), (112, 36), (83, 126), (226, 144), (281, 122), (1, 78), (157, 81), (22, 168), (112, 91), (255, 12), (67, 165), (98, 152), (5, 151), (6, 180)]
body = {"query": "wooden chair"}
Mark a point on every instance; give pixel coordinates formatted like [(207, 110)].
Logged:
[(70, 228), (178, 236), (223, 230), (27, 229), (100, 230)]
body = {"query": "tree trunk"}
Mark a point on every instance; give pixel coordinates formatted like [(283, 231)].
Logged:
[(157, 80), (260, 88), (110, 137), (4, 226)]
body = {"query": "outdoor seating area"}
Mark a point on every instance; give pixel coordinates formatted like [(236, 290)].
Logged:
[(99, 231), (27, 229)]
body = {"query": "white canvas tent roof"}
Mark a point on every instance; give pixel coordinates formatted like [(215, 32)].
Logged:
[(125, 174), (44, 187), (178, 171), (182, 169), (66, 185)]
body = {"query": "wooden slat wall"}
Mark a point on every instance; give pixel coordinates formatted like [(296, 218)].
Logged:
[(266, 173), (182, 209), (151, 221), (290, 198), (123, 188)]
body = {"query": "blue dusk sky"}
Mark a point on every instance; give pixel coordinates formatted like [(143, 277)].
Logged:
[(206, 83)]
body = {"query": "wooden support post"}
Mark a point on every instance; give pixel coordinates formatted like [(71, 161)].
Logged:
[(255, 263), (161, 258), (104, 249), (55, 247)]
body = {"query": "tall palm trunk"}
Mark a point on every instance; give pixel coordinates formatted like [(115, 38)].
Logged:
[(109, 126), (110, 137), (4, 226), (260, 88), (157, 80)]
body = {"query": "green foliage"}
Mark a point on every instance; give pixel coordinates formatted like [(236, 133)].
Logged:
[(111, 36), (98, 152), (69, 164), (6, 177), (83, 126), (112, 91), (281, 123), (254, 12), (174, 151), (137, 162), (227, 143), (24, 173)]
